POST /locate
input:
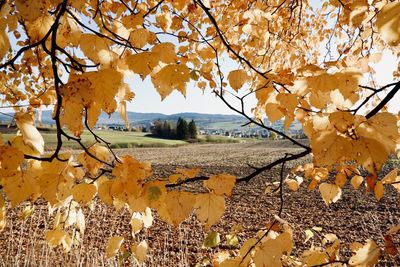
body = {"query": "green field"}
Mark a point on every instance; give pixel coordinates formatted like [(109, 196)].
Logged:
[(116, 138)]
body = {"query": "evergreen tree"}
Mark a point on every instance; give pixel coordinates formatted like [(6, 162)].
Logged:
[(182, 131), (157, 128), (192, 129)]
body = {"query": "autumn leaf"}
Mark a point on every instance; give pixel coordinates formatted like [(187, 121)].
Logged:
[(3, 218), (113, 246), (367, 255), (84, 193), (379, 190), (212, 240), (330, 193), (221, 184), (237, 78), (172, 76), (59, 237), (31, 135), (209, 208), (356, 181), (388, 23), (140, 251), (179, 205)]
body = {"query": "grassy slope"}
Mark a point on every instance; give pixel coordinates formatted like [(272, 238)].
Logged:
[(118, 139)]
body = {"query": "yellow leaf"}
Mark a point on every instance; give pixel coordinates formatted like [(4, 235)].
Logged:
[(3, 218), (4, 41), (209, 208), (94, 47), (221, 184), (391, 177), (38, 28), (140, 251), (164, 21), (237, 78), (10, 160), (142, 63), (379, 190), (179, 205), (330, 193), (293, 184), (147, 218), (230, 263), (367, 255), (309, 235), (165, 52), (212, 240), (388, 23), (113, 246), (30, 11), (19, 188), (58, 237), (189, 173), (329, 148), (105, 192), (340, 179), (26, 212), (232, 240), (273, 112), (356, 181), (269, 254), (139, 37), (84, 193), (92, 164), (172, 76), (136, 223), (31, 135)]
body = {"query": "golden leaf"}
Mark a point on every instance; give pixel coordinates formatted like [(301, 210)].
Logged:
[(140, 251), (105, 192), (209, 208), (164, 21), (59, 237), (10, 160), (356, 181), (221, 184), (113, 246), (4, 41), (367, 255), (30, 134), (179, 205), (330, 193), (92, 164), (379, 190), (19, 188), (172, 76), (84, 193), (165, 52), (388, 23), (142, 63), (189, 173), (237, 78), (3, 218)]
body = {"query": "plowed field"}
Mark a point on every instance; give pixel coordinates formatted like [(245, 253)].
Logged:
[(356, 217)]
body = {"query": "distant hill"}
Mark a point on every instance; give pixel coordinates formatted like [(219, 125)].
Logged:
[(208, 121), (211, 121)]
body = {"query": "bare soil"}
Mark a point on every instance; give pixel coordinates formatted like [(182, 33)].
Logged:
[(356, 217)]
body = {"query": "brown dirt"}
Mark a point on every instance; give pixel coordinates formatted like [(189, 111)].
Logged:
[(356, 217)]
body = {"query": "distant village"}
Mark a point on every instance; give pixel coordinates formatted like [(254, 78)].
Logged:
[(240, 132), (294, 131)]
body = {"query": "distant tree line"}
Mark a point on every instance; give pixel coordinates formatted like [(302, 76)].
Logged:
[(180, 130)]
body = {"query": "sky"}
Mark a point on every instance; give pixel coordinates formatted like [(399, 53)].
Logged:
[(148, 100)]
